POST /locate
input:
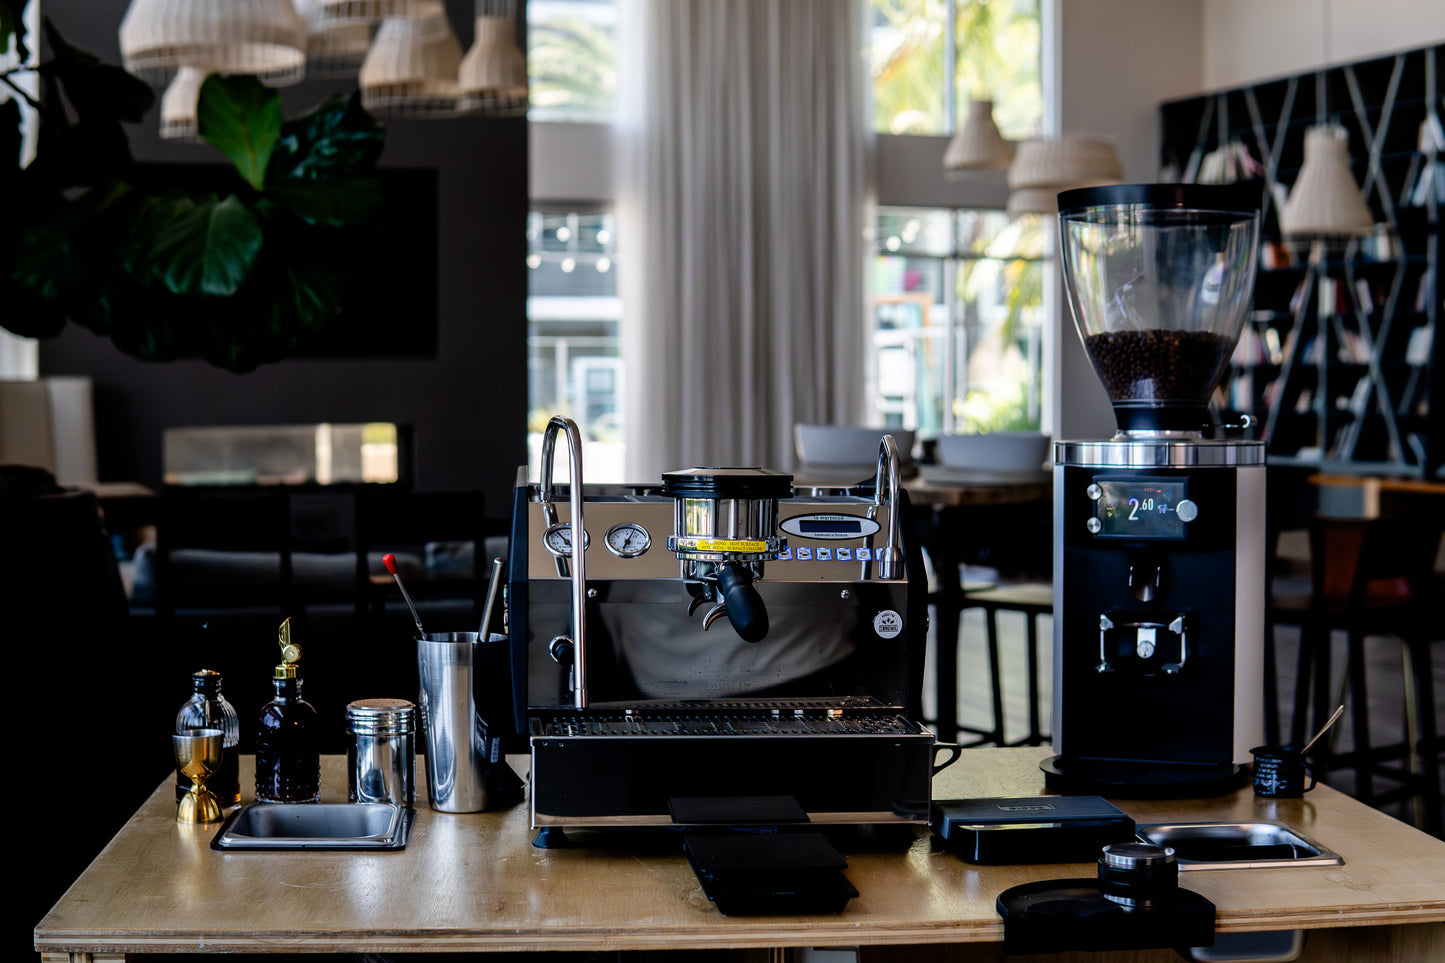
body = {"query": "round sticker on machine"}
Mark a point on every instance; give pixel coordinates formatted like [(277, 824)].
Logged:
[(888, 624)]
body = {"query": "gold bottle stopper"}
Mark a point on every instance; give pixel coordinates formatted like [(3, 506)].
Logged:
[(290, 653)]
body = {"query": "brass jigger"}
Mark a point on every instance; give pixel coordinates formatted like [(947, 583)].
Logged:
[(198, 756)]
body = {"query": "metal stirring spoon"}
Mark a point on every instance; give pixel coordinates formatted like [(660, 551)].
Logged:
[(1326, 728), (389, 560)]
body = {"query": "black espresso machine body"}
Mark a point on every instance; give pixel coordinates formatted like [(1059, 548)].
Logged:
[(822, 710), (1158, 632)]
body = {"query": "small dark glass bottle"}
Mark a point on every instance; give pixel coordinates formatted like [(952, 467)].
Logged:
[(208, 709), (288, 757)]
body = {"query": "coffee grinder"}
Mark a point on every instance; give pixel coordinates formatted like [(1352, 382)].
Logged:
[(1159, 548)]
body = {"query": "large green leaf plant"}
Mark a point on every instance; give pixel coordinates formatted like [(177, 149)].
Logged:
[(238, 279)]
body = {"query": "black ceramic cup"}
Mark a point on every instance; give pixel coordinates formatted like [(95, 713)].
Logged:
[(1280, 771)]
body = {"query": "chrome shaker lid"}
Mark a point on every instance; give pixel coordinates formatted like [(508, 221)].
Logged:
[(380, 717)]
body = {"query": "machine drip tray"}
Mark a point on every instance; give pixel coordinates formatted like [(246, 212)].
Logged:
[(1251, 845)]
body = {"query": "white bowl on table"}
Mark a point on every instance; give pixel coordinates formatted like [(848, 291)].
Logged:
[(998, 452), (847, 445)]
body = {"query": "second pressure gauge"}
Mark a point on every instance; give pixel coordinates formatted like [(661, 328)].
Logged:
[(628, 540)]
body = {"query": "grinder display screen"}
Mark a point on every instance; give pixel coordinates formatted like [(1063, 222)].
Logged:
[(1140, 509)]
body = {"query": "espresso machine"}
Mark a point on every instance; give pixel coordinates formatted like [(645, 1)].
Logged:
[(718, 648), (1159, 544)]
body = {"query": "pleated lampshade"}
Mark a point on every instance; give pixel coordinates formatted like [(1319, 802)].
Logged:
[(178, 103), (263, 37), (494, 72), (977, 145), (375, 11), (1325, 199), (332, 48), (412, 68), (1042, 168)]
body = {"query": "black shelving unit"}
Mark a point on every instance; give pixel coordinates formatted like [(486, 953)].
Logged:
[(1339, 362)]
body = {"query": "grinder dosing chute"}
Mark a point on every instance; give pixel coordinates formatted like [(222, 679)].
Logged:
[(1159, 278)]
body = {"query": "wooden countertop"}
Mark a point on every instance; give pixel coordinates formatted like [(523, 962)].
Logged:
[(475, 883)]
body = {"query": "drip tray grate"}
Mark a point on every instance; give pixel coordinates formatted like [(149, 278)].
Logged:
[(775, 722)]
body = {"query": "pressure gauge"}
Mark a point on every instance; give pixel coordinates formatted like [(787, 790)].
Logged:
[(628, 540), (558, 539)]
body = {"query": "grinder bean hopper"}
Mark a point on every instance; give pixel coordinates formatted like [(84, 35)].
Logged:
[(1159, 530)]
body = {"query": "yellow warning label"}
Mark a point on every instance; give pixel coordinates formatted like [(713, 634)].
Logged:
[(721, 545)]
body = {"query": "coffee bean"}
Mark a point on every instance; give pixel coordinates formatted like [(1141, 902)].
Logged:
[(1159, 365)]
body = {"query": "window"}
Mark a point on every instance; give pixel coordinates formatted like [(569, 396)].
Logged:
[(958, 321), (571, 60), (573, 313), (991, 52)]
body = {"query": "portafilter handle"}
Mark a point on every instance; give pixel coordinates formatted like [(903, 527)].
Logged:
[(890, 557), (579, 575)]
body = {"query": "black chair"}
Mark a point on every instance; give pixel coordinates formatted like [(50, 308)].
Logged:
[(1370, 578), (223, 547)]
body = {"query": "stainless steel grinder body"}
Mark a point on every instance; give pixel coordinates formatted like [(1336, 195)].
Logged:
[(1159, 612)]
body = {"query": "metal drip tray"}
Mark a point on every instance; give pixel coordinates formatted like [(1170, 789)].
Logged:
[(1254, 845)]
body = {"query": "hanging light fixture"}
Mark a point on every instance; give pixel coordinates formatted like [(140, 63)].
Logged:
[(262, 37), (977, 145), (412, 68), (178, 104), (493, 74), (1325, 201), (371, 12), (333, 49), (1042, 168)]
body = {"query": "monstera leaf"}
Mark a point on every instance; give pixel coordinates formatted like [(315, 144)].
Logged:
[(241, 118), (200, 247)]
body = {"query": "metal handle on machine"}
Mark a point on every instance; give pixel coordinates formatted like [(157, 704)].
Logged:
[(890, 557), (579, 575)]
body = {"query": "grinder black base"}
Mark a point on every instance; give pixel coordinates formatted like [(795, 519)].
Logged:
[(1123, 779)]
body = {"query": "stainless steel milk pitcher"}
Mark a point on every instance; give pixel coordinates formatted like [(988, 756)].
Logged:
[(459, 754)]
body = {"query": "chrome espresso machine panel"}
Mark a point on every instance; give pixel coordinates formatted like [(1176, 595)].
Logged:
[(820, 707)]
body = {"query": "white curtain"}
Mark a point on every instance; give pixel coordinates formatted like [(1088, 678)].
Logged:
[(743, 143)]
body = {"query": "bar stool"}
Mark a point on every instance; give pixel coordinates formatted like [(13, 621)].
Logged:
[(1371, 577), (1032, 599)]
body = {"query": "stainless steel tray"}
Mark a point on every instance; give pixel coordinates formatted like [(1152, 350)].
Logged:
[(1249, 845), (315, 826)]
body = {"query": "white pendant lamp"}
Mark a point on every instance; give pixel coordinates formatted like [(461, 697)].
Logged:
[(1042, 168), (332, 48), (494, 72), (977, 145), (178, 104), (262, 37), (374, 11), (1325, 200), (412, 68)]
